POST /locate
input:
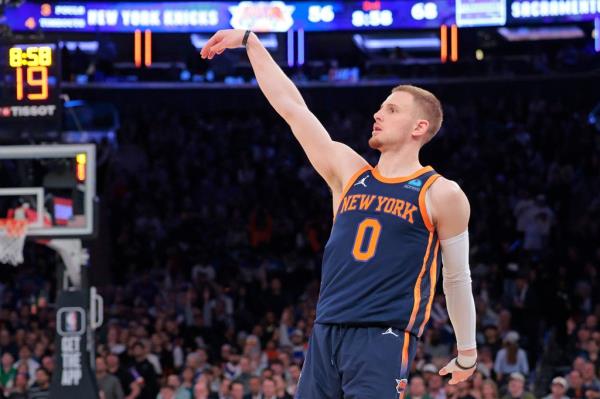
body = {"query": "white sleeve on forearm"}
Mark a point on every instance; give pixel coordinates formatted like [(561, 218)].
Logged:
[(457, 287)]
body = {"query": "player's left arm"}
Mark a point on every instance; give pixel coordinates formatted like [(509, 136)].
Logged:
[(450, 211)]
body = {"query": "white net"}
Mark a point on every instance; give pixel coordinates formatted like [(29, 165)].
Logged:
[(73, 255), (12, 240)]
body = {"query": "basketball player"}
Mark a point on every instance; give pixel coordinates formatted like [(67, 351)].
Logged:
[(381, 263)]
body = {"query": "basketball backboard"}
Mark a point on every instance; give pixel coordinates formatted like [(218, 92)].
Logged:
[(53, 186)]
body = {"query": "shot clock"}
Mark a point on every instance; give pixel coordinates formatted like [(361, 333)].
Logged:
[(31, 66), (30, 83)]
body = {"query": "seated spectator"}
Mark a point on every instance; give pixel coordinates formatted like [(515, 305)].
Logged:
[(143, 369), (476, 384), (201, 391), (180, 392), (268, 389), (416, 388), (41, 388), (19, 390), (25, 359), (280, 388), (575, 383), (435, 385), (113, 367), (516, 388), (245, 372), (224, 389), (590, 380), (511, 358), (166, 392), (107, 383), (254, 388), (8, 371), (237, 390), (489, 390), (558, 388), (464, 390), (188, 377)]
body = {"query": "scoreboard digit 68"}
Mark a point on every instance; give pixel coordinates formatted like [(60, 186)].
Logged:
[(30, 82)]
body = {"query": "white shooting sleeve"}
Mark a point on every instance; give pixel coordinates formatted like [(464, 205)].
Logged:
[(457, 288)]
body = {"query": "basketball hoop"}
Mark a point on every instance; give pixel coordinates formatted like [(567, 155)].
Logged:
[(12, 240)]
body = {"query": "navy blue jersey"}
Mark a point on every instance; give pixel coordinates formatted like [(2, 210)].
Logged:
[(380, 265)]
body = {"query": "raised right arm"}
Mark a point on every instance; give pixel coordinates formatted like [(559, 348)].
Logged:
[(334, 161)]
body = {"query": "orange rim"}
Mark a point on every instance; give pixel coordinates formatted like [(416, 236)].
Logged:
[(14, 227)]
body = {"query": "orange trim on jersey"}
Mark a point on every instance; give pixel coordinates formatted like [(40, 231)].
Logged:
[(417, 291), (433, 282), (400, 179), (404, 369), (348, 185), (422, 204)]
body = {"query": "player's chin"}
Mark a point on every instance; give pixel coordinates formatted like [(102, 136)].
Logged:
[(375, 143)]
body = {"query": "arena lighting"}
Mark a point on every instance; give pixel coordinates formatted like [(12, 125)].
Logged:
[(73, 103), (81, 160), (479, 55), (454, 43), (137, 48), (597, 37), (416, 42), (269, 40), (290, 48), (444, 43), (301, 47), (521, 34), (148, 47)]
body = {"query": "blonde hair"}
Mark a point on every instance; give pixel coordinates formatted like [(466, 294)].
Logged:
[(429, 105)]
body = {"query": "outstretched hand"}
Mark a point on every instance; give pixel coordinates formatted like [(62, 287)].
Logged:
[(458, 374), (221, 41)]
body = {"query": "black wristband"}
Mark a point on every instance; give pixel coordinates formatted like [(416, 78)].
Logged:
[(460, 366), (246, 35)]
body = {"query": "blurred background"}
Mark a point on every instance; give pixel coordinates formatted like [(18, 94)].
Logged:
[(211, 223)]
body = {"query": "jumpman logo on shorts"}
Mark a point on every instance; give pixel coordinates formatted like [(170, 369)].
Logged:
[(389, 331), (401, 385), (362, 181)]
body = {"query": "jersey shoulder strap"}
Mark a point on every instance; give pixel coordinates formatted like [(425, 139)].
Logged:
[(430, 177)]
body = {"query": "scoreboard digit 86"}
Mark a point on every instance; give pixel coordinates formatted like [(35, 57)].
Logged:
[(30, 81)]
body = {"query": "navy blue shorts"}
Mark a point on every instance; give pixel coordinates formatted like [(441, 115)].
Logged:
[(356, 363)]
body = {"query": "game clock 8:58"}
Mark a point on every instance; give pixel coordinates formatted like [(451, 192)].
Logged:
[(30, 57), (372, 18)]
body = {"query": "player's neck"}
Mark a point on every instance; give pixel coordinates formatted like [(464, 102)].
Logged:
[(398, 163)]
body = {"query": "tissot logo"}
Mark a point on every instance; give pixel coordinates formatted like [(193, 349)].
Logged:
[(25, 111)]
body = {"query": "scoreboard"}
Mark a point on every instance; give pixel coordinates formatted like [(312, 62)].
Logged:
[(281, 16), (29, 77)]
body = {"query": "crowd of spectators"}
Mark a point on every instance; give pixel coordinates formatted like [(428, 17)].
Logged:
[(216, 225)]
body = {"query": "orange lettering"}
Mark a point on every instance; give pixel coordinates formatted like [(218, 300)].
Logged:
[(352, 205), (398, 207), (389, 206), (381, 199), (408, 211), (366, 201), (345, 203)]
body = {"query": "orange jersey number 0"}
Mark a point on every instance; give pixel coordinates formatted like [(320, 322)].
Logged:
[(357, 251)]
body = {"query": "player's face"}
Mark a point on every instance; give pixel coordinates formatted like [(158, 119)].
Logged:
[(395, 122)]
